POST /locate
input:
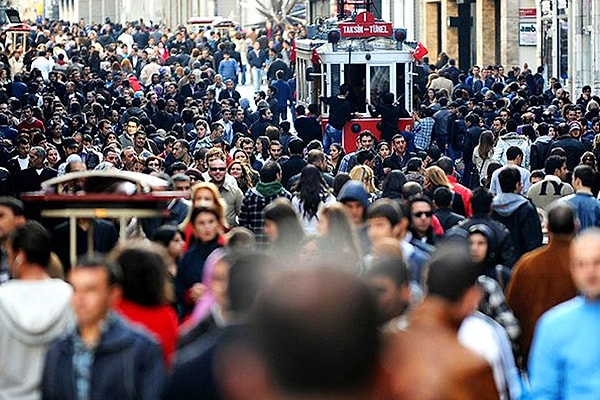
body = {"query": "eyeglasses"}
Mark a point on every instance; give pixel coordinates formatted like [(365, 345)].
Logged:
[(421, 214), (217, 169), (153, 164)]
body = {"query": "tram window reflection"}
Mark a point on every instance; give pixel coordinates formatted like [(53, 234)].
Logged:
[(380, 83)]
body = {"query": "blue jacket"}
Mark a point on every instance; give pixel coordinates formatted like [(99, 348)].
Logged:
[(587, 209), (127, 364)]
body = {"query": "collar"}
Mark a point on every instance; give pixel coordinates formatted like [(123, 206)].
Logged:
[(553, 178)]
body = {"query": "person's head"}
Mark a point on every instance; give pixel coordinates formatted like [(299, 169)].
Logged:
[(385, 219), (181, 183), (388, 279), (562, 219), (442, 197), (28, 245), (172, 239), (282, 225), (556, 165), (365, 175), (481, 201), (452, 277), (206, 223), (206, 194), (392, 184), (435, 177), (421, 212), (399, 144), (96, 289), (275, 150), (515, 154), (217, 170), (585, 263), (37, 156), (583, 177), (482, 242), (510, 180), (366, 140), (318, 336), (270, 172), (144, 272), (446, 164), (355, 199)]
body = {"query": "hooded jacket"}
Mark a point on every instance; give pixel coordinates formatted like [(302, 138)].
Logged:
[(509, 140), (521, 219), (32, 315)]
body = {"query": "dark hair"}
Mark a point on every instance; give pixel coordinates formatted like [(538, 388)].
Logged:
[(481, 201), (446, 164), (339, 181), (385, 208), (392, 185), (442, 197), (15, 205), (513, 152), (199, 210), (553, 163), (561, 218), (165, 234), (451, 271), (97, 260), (585, 174), (390, 267), (34, 240), (509, 178), (311, 190), (269, 172), (289, 230), (247, 276)]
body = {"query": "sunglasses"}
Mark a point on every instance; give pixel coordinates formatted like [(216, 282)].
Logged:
[(420, 214), (217, 169)]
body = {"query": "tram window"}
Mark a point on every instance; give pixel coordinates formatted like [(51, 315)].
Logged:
[(380, 83), (335, 79), (400, 80), (356, 76)]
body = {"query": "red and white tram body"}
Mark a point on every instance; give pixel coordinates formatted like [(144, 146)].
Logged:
[(369, 59)]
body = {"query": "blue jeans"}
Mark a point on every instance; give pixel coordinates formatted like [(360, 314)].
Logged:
[(256, 78), (243, 73), (332, 135)]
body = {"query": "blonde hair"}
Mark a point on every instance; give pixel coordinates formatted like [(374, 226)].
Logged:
[(364, 174), (436, 177), (219, 203)]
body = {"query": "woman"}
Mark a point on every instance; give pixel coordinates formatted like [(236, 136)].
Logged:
[(283, 229), (53, 158), (206, 227), (337, 242), (262, 149), (392, 185), (310, 194), (204, 194), (171, 238), (364, 174), (482, 157), (145, 299), (588, 158), (337, 153), (241, 173), (430, 98), (435, 178)]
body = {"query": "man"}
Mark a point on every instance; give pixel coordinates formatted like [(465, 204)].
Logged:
[(569, 140), (11, 217), (275, 151), (398, 159), (284, 96), (131, 127), (552, 187), (140, 145), (21, 160), (587, 208), (355, 199), (365, 141), (514, 156), (259, 127), (563, 360), (442, 199), (30, 179), (230, 92), (295, 162), (34, 311), (442, 119), (307, 127), (517, 213), (427, 361), (421, 228), (230, 193), (227, 124), (340, 112), (256, 199), (228, 68), (29, 121), (104, 356), (423, 128), (541, 279), (317, 158)]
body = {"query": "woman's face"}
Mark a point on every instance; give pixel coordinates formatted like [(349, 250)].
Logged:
[(236, 170), (334, 152), (219, 283), (204, 198), (259, 146), (270, 230), (384, 151), (138, 166), (206, 227), (241, 156), (52, 156), (431, 94), (479, 247), (176, 246), (111, 137)]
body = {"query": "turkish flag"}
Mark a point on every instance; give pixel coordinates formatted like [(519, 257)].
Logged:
[(420, 51)]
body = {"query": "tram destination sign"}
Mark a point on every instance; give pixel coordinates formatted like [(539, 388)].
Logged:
[(365, 26)]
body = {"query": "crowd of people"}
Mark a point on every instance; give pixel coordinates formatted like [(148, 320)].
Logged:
[(416, 267)]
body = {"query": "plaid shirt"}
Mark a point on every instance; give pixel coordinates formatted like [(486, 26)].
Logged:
[(251, 215), (494, 305), (422, 133)]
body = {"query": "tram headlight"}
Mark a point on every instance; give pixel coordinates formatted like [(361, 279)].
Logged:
[(334, 36), (400, 35)]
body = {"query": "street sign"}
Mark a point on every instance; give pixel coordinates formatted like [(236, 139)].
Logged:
[(365, 26)]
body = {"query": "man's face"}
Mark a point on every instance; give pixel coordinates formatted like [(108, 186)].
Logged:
[(8, 222), (92, 296), (380, 228), (23, 149), (128, 155), (366, 142), (268, 115), (421, 217), (35, 161), (497, 126), (275, 151), (356, 211), (229, 85), (248, 148), (400, 145), (504, 115), (585, 266), (217, 170), (239, 116), (478, 246), (562, 171), (177, 150), (27, 113), (112, 157), (476, 72), (132, 128), (596, 127), (140, 141), (392, 300), (227, 115)]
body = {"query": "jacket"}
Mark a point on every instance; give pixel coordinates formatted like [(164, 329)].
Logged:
[(573, 147), (32, 315), (127, 364), (251, 214), (509, 140)]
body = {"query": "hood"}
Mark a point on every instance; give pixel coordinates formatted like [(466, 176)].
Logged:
[(515, 139), (36, 311), (507, 203), (354, 191), (543, 139)]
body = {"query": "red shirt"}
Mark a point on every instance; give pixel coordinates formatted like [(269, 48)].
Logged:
[(464, 192)]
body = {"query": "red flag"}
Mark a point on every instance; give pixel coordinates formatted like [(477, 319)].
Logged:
[(420, 51)]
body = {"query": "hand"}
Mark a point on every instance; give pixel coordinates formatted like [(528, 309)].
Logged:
[(197, 291)]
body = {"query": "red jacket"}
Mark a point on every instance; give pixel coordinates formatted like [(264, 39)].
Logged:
[(464, 192)]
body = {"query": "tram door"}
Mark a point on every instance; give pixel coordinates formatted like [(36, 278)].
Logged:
[(356, 76)]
